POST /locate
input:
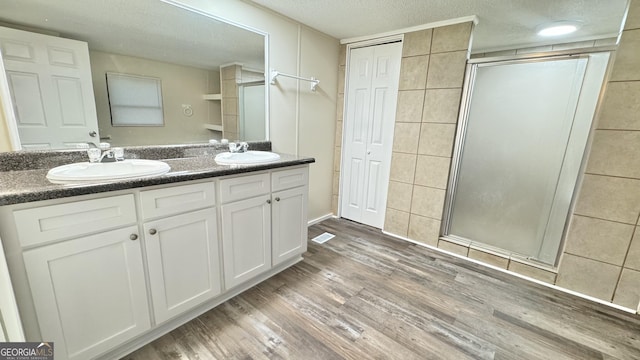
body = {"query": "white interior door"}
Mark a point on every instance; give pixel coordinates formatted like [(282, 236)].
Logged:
[(51, 89), (370, 115)]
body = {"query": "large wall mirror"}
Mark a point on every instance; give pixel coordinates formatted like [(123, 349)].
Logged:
[(166, 74)]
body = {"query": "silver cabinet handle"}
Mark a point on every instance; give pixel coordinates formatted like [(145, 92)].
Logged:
[(277, 199), (152, 231), (133, 237), (268, 201), (93, 133)]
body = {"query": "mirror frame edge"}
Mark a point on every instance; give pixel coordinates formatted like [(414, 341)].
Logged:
[(7, 109), (267, 88), (7, 105)]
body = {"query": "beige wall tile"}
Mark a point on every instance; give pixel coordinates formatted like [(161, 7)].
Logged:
[(621, 106), (336, 183), (487, 258), (588, 276), (340, 107), (229, 89), (396, 222), (230, 124), (436, 139), (633, 257), (432, 171), (424, 230), (633, 16), (451, 38), (413, 72), (627, 62), (453, 248), (600, 240), (230, 135), (405, 137), (403, 167), (532, 272), (446, 70), (341, 78), (417, 43), (230, 106), (229, 73), (609, 198), (615, 153), (338, 139), (409, 108), (628, 289), (427, 202), (441, 105), (337, 154), (399, 196)]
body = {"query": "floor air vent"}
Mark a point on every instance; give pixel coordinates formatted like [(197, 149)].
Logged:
[(323, 238)]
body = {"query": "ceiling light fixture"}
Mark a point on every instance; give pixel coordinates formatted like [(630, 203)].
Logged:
[(558, 28)]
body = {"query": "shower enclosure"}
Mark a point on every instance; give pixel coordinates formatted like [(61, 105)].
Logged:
[(519, 148)]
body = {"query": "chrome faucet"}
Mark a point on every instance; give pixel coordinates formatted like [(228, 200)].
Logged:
[(104, 153), (238, 147)]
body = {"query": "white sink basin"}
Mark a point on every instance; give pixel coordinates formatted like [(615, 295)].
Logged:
[(91, 172), (246, 158)]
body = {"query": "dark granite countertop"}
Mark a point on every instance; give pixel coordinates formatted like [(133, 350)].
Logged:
[(32, 185)]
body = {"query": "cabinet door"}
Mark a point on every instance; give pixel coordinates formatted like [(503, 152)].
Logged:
[(246, 239), (183, 260), (289, 224), (89, 293)]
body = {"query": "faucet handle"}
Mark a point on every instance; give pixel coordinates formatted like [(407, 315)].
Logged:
[(243, 146), (94, 154), (104, 146)]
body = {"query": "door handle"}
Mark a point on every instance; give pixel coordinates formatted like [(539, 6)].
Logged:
[(93, 133), (269, 201), (133, 237), (368, 152), (152, 231), (277, 199)]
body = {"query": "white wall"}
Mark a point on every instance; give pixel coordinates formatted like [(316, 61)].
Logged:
[(301, 122)]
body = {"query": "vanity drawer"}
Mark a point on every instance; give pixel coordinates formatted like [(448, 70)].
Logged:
[(244, 187), (54, 222), (177, 199), (290, 178)]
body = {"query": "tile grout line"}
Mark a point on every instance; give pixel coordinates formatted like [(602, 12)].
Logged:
[(633, 233)]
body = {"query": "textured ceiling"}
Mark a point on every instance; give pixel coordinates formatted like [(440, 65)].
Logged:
[(142, 28), (502, 24)]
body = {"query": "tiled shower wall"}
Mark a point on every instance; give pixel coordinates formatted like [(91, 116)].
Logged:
[(602, 254)]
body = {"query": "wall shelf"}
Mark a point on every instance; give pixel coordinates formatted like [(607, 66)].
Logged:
[(212, 96), (213, 127)]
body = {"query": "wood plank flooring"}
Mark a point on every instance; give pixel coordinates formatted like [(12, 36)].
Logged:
[(365, 295)]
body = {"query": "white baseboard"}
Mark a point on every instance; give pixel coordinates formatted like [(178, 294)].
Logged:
[(321, 219)]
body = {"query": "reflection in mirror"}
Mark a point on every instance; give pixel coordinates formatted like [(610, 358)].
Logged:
[(57, 53)]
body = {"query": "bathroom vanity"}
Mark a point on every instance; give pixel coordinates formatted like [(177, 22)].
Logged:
[(102, 269)]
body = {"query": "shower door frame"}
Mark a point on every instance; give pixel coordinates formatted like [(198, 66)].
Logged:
[(463, 117)]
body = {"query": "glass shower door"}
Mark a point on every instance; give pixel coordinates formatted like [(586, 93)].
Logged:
[(523, 143)]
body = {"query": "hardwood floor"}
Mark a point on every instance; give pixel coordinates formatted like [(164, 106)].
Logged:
[(365, 295)]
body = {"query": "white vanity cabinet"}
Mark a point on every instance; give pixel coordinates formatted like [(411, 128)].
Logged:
[(101, 275), (289, 213), (182, 250), (88, 291), (246, 227), (264, 221)]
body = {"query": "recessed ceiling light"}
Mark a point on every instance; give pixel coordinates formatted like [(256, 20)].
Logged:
[(558, 28)]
